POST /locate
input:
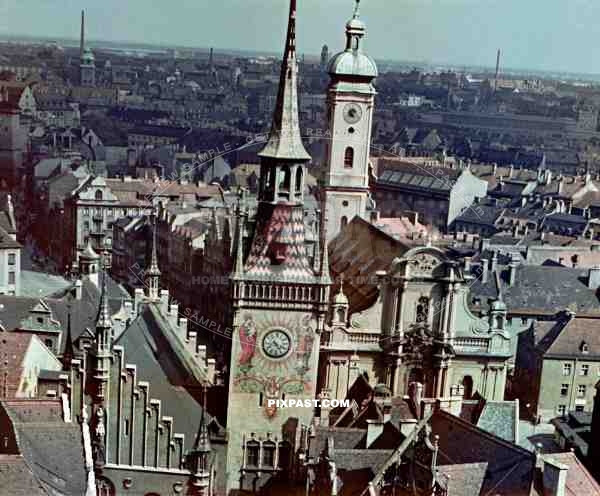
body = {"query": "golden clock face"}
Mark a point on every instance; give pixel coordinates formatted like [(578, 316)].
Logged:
[(276, 343), (352, 113)]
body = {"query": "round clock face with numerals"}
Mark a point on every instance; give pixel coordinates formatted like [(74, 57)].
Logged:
[(352, 113), (276, 344)]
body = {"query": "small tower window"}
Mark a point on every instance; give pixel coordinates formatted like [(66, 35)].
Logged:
[(98, 194), (349, 158), (285, 180), (299, 187), (343, 222)]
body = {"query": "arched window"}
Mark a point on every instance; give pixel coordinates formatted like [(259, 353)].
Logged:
[(252, 453), (98, 194), (268, 454), (285, 179), (343, 222), (468, 385), (299, 180), (349, 158)]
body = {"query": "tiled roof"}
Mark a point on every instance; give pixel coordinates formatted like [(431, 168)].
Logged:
[(566, 338), (147, 345), (53, 449), (579, 480), (500, 418), (510, 468), (343, 438), (14, 346), (463, 479), (358, 252), (17, 478), (6, 242), (278, 245), (544, 289)]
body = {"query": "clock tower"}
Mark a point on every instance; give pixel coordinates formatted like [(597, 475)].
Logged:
[(350, 101), (280, 293)]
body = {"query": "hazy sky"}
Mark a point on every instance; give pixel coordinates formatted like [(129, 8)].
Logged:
[(537, 34)]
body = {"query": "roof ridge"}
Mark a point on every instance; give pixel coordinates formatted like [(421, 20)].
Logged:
[(485, 433)]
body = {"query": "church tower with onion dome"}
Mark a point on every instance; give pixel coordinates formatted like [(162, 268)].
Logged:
[(280, 293), (350, 102)]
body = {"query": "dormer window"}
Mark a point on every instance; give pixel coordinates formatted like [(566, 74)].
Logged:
[(584, 347)]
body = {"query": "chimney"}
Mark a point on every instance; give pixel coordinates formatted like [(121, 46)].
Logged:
[(511, 169), (78, 289), (494, 169), (512, 270), (467, 266), (555, 478), (374, 430), (494, 264), (387, 410), (484, 270), (594, 277)]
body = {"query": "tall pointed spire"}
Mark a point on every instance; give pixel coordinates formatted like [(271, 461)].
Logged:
[(82, 35), (285, 141), (202, 443), (104, 321), (68, 354), (238, 263), (153, 272)]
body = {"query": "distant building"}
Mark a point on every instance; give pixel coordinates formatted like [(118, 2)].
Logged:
[(13, 139), (10, 250), (558, 364), (439, 194)]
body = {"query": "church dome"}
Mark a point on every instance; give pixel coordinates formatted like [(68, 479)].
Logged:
[(353, 63)]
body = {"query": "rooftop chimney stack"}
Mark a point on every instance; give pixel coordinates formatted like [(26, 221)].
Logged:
[(594, 277), (555, 478)]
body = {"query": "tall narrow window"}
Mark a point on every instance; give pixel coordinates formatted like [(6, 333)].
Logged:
[(349, 158), (343, 222), (299, 181), (252, 453)]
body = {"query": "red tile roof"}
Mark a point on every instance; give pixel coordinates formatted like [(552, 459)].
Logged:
[(13, 347)]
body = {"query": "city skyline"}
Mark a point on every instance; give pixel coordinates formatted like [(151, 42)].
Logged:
[(466, 33)]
